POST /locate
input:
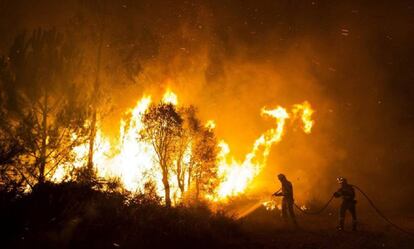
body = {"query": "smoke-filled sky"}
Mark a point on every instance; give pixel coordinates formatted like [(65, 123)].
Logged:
[(352, 60)]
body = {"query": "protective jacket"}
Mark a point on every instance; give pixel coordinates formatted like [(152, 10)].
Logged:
[(347, 193), (286, 191)]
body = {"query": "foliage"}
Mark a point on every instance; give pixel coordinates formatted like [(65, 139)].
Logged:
[(45, 112), (107, 220), (201, 169), (163, 128), (183, 166), (73, 215), (204, 161), (186, 151)]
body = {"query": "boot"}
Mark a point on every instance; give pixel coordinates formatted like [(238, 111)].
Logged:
[(340, 227), (354, 225), (295, 224)]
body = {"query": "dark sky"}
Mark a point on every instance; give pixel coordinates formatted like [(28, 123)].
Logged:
[(353, 60)]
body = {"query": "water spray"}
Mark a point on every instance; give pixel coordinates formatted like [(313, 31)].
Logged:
[(324, 207)]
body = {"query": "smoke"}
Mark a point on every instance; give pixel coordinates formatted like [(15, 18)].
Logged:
[(230, 58)]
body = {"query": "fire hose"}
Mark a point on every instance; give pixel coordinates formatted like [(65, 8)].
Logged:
[(371, 204), (317, 212), (258, 204), (381, 214)]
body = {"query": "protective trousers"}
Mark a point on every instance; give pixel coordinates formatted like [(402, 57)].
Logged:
[(287, 211), (347, 206)]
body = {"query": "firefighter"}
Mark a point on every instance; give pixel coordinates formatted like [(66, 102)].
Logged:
[(287, 202), (347, 192)]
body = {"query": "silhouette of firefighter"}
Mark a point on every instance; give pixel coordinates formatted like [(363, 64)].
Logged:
[(287, 202), (347, 192)]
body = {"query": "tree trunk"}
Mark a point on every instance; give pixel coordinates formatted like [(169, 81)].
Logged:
[(166, 186), (189, 177), (167, 192), (96, 89), (92, 136), (180, 176), (43, 148), (197, 188)]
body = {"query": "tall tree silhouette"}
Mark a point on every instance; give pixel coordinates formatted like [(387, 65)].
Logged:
[(44, 104), (163, 128), (183, 165), (204, 162), (10, 149)]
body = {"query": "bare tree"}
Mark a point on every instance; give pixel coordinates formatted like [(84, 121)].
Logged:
[(163, 128)]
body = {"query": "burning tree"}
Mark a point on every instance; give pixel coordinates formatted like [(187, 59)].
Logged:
[(196, 155), (184, 149), (204, 162), (163, 128), (44, 109), (183, 166)]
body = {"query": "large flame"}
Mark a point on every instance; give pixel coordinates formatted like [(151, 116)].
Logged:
[(236, 176), (132, 161)]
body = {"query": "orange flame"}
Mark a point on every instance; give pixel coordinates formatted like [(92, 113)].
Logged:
[(170, 98), (306, 112), (133, 161)]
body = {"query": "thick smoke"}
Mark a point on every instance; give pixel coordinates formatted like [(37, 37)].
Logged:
[(351, 61)]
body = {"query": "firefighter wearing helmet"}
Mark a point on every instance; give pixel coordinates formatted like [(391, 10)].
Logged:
[(347, 192), (287, 202)]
